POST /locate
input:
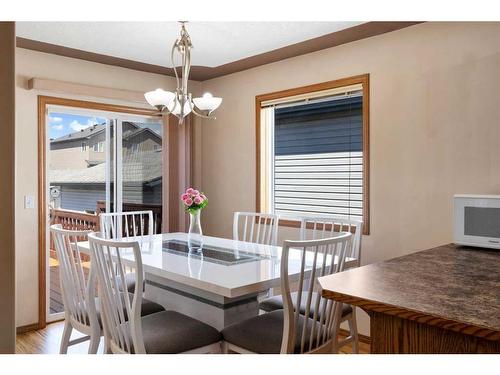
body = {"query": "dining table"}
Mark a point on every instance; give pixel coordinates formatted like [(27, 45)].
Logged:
[(219, 281)]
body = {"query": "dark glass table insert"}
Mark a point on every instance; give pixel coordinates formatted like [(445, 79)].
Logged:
[(209, 253)]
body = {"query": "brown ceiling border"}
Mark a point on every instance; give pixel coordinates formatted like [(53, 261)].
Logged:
[(55, 49), (203, 73)]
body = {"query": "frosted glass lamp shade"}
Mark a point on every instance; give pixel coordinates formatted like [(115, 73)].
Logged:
[(175, 108), (207, 102), (159, 98)]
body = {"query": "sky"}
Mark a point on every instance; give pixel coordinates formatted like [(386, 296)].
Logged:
[(61, 124)]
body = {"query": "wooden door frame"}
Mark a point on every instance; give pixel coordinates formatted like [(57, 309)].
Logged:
[(43, 102)]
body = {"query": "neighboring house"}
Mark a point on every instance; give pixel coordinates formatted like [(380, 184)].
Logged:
[(86, 148), (78, 169), (81, 189)]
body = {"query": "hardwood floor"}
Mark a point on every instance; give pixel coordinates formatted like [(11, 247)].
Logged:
[(47, 341)]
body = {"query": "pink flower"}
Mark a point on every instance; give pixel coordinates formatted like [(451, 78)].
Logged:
[(184, 196), (195, 193), (189, 191), (198, 199), (203, 196), (188, 202)]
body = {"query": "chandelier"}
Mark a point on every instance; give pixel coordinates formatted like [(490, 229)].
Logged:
[(181, 103)]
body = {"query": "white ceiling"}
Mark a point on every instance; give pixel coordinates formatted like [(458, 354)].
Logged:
[(215, 43)]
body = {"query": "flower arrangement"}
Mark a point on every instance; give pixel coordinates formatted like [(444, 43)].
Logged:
[(194, 200)]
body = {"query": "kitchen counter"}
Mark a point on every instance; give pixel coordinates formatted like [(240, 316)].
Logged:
[(442, 300)]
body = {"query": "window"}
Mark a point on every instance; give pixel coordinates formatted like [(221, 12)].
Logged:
[(98, 147), (135, 147), (312, 151), (84, 146)]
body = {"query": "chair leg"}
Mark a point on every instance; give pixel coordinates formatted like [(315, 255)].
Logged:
[(95, 339), (353, 328), (337, 321), (68, 328), (107, 347)]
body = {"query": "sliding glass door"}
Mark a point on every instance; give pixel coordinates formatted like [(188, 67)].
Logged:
[(98, 162)]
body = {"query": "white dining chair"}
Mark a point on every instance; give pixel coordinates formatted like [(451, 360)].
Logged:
[(118, 225), (82, 311), (255, 227), (130, 224), (313, 228), (126, 331), (288, 330), (77, 293)]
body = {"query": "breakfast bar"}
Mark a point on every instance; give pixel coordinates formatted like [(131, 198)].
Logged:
[(442, 300)]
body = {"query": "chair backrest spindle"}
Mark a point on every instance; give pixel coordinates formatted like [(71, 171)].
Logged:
[(318, 258), (78, 291), (316, 228), (122, 317), (255, 227), (118, 225)]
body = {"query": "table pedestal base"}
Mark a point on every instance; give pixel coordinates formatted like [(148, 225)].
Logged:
[(207, 307), (391, 334)]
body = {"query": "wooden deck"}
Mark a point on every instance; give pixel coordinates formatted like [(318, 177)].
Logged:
[(56, 302), (55, 298)]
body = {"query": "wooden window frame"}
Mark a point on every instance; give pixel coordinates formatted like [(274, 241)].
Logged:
[(364, 80)]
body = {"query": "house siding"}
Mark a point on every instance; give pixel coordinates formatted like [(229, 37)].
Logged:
[(84, 197)]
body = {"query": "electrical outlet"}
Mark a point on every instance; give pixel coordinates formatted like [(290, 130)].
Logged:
[(29, 202)]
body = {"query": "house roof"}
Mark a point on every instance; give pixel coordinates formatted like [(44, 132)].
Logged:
[(96, 129), (82, 134), (138, 167), (127, 135)]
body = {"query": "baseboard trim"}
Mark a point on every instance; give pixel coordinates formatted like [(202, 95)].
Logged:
[(27, 328), (362, 338)]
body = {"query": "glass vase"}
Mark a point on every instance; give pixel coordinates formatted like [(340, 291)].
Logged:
[(195, 235)]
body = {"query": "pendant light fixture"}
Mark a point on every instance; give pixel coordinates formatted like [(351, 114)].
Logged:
[(181, 103)]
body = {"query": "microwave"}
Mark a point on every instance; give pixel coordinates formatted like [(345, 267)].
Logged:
[(477, 220)]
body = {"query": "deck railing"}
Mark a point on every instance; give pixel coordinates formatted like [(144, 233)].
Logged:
[(75, 220), (78, 220)]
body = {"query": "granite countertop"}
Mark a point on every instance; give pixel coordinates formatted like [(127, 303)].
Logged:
[(454, 283)]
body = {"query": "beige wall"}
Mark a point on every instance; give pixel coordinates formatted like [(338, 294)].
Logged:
[(434, 130), (31, 64), (7, 155)]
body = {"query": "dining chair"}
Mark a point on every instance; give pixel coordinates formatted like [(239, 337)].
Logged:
[(130, 224), (255, 227), (288, 330), (126, 331), (118, 225), (81, 309), (313, 228)]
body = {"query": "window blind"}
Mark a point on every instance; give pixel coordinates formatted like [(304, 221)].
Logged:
[(318, 158)]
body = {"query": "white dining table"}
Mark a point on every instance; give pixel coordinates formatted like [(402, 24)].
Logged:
[(219, 284)]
